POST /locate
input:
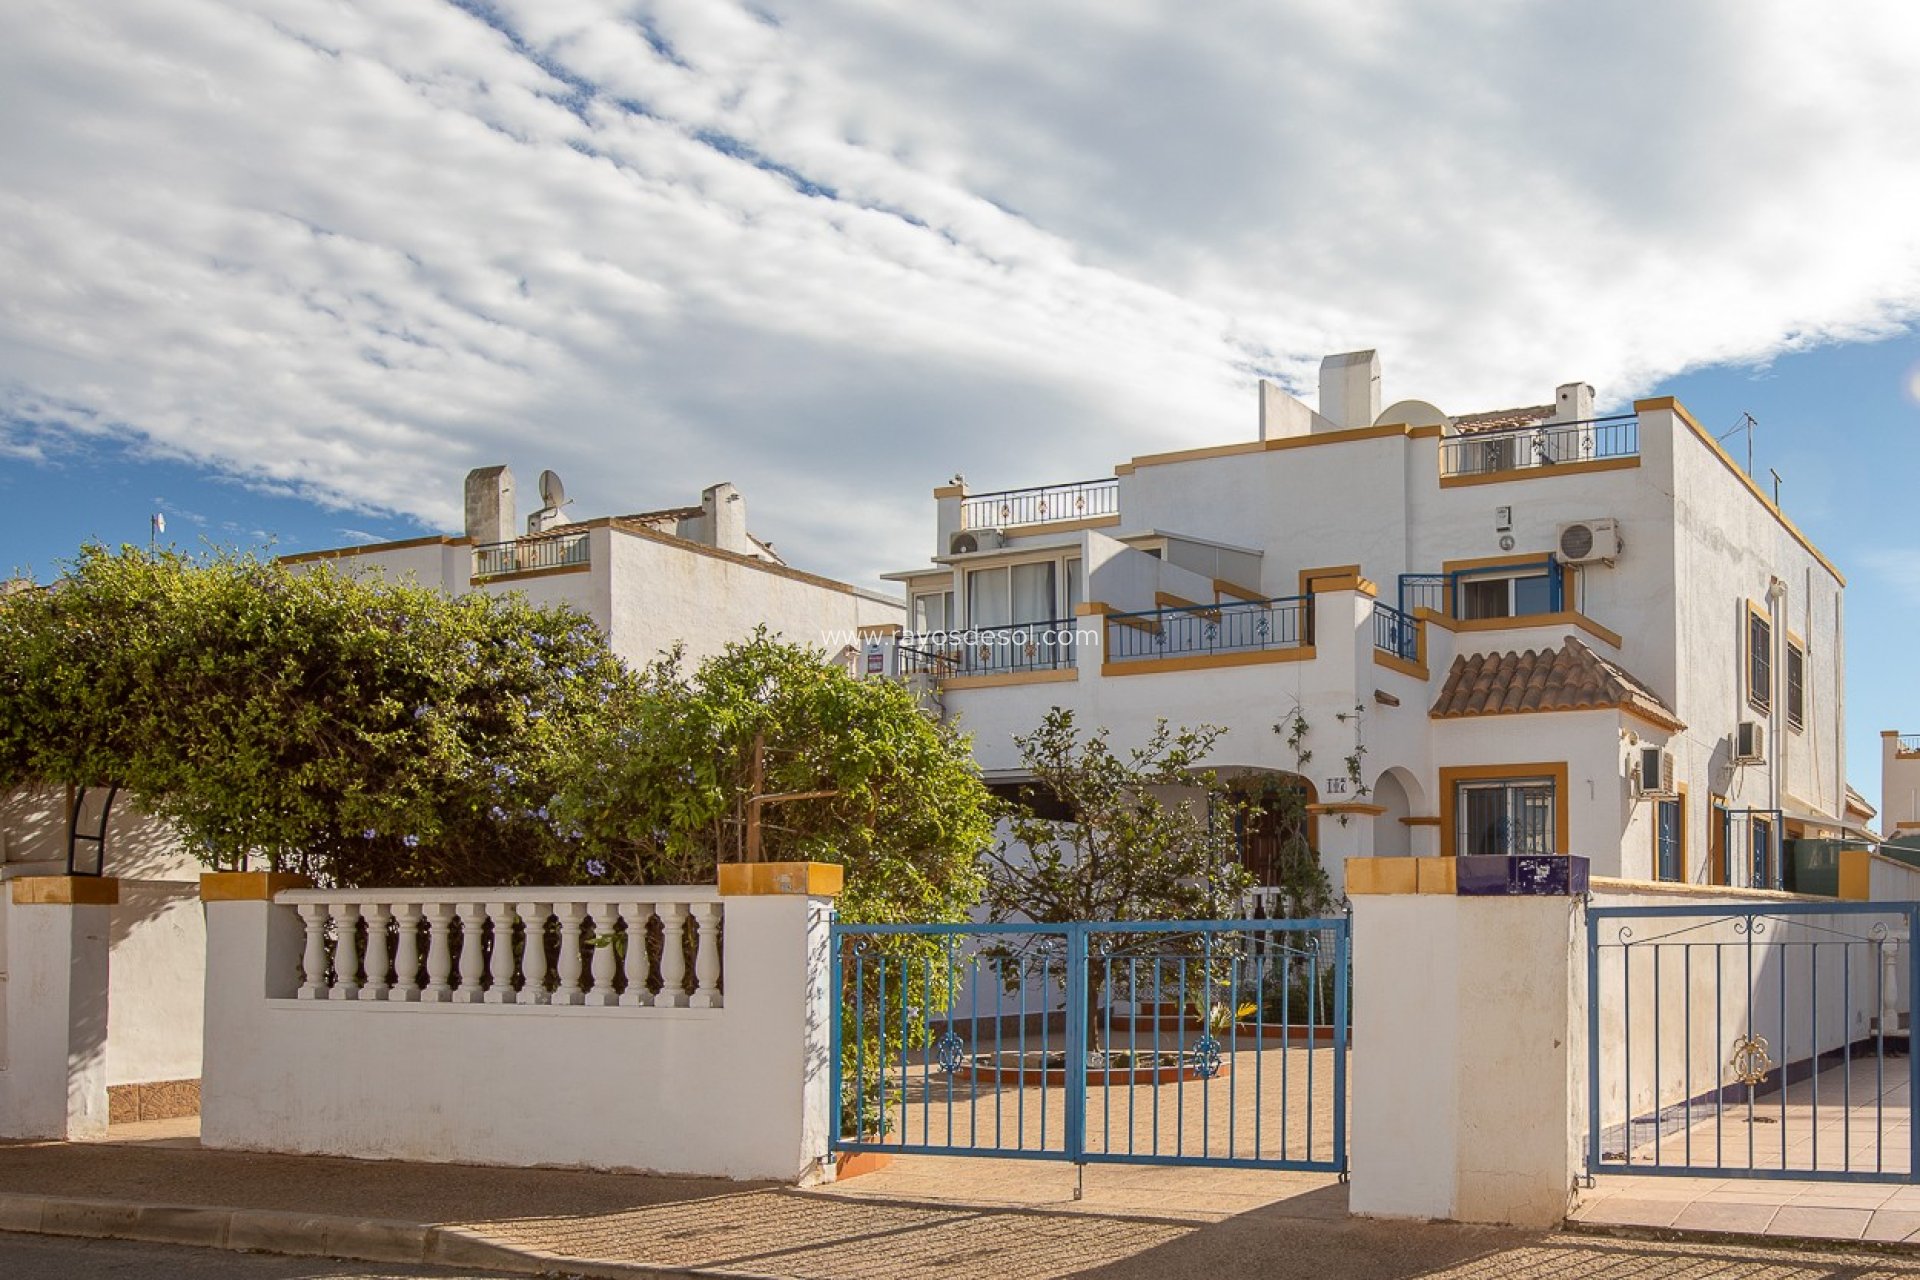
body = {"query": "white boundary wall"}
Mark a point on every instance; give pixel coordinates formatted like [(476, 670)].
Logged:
[(739, 1090)]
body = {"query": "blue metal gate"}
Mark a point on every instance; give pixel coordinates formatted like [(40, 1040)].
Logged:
[(1753, 1040), (1190, 1042)]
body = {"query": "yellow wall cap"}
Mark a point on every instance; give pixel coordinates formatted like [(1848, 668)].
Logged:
[(815, 879)]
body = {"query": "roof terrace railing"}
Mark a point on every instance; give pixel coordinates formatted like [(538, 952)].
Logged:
[(552, 551), (1908, 744), (1241, 626), (1546, 445), (1043, 504)]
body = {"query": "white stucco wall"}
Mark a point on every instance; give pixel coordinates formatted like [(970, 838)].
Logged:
[(156, 982), (740, 1091), (1899, 786)]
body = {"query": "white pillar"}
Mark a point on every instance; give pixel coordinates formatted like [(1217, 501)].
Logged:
[(55, 1083), (254, 954), (1468, 1077)]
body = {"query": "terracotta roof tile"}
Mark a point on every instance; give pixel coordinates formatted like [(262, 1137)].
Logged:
[(1570, 678), (1503, 419)]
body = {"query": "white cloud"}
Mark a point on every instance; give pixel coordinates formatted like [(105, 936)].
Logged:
[(836, 251)]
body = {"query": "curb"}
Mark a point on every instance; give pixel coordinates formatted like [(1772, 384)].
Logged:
[(1736, 1239), (312, 1235)]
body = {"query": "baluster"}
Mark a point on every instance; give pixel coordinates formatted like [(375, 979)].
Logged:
[(313, 965), (376, 961), (500, 989), (406, 952), (569, 992), (533, 959), (673, 956), (346, 952), (706, 956), (637, 914), (439, 953), (605, 935), (472, 952)]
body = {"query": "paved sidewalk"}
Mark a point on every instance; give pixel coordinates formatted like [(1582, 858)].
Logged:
[(1873, 1213), (533, 1221)]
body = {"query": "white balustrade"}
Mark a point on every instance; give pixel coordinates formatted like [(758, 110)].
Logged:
[(604, 956)]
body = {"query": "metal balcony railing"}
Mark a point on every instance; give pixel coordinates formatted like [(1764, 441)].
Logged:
[(1041, 505), (1237, 627), (493, 559), (1908, 744), (1395, 633), (1547, 445), (987, 651)]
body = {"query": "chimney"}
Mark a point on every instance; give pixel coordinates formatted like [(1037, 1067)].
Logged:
[(1350, 389), (490, 505), (1573, 402), (725, 511)]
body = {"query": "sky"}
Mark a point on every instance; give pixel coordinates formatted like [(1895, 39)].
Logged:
[(285, 270)]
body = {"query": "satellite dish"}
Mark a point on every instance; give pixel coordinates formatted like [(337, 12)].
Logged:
[(553, 494)]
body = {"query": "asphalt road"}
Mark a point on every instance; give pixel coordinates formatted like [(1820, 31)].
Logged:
[(24, 1257)]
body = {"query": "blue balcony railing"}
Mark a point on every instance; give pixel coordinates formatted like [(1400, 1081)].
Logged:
[(1238, 627), (987, 651), (1395, 633), (1548, 445), (554, 551)]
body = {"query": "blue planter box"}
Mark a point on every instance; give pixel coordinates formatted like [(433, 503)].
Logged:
[(1526, 874)]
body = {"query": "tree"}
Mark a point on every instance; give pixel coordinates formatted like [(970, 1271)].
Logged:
[(363, 731), (1145, 834), (660, 791)]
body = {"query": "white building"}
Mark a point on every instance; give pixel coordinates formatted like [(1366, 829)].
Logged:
[(1900, 786), (1535, 630), (691, 575)]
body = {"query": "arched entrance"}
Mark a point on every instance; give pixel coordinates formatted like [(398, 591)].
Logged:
[(1278, 839)]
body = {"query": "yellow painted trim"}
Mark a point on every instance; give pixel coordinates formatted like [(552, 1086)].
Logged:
[(523, 574), (950, 491), (1906, 826), (1092, 609), (1347, 436), (1196, 455), (65, 891), (1382, 875), (1335, 573), (1349, 806), (1060, 675), (1856, 874), (1424, 820), (1511, 559), (760, 879), (1221, 587), (1206, 661), (1394, 663), (1123, 469), (1565, 618), (1451, 776), (1437, 875), (1433, 431), (342, 553), (1540, 472), (1705, 437), (248, 886), (1168, 600), (1059, 526), (1421, 613)]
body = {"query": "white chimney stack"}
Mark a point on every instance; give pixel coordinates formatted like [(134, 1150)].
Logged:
[(1573, 402), (725, 510), (1350, 389), (490, 505)]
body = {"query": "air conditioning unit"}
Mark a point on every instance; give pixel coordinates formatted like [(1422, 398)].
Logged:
[(1750, 743), (1587, 541), (968, 541), (1653, 774)]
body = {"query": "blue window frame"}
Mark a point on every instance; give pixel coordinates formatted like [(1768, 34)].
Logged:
[(1669, 841)]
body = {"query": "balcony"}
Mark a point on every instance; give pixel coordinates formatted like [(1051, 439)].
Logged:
[(1045, 504), (1020, 649), (1537, 450), (1907, 744), (530, 555), (1247, 627), (1394, 633)]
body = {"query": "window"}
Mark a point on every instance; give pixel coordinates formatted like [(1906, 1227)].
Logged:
[(1759, 660), (1511, 596), (1669, 840), (933, 611), (1796, 684), (1505, 816), (1031, 592)]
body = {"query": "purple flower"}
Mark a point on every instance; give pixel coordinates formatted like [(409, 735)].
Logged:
[(368, 834), (412, 842), (596, 868)]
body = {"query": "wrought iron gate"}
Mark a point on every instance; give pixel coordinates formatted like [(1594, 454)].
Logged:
[(1753, 1040), (1190, 1042)]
